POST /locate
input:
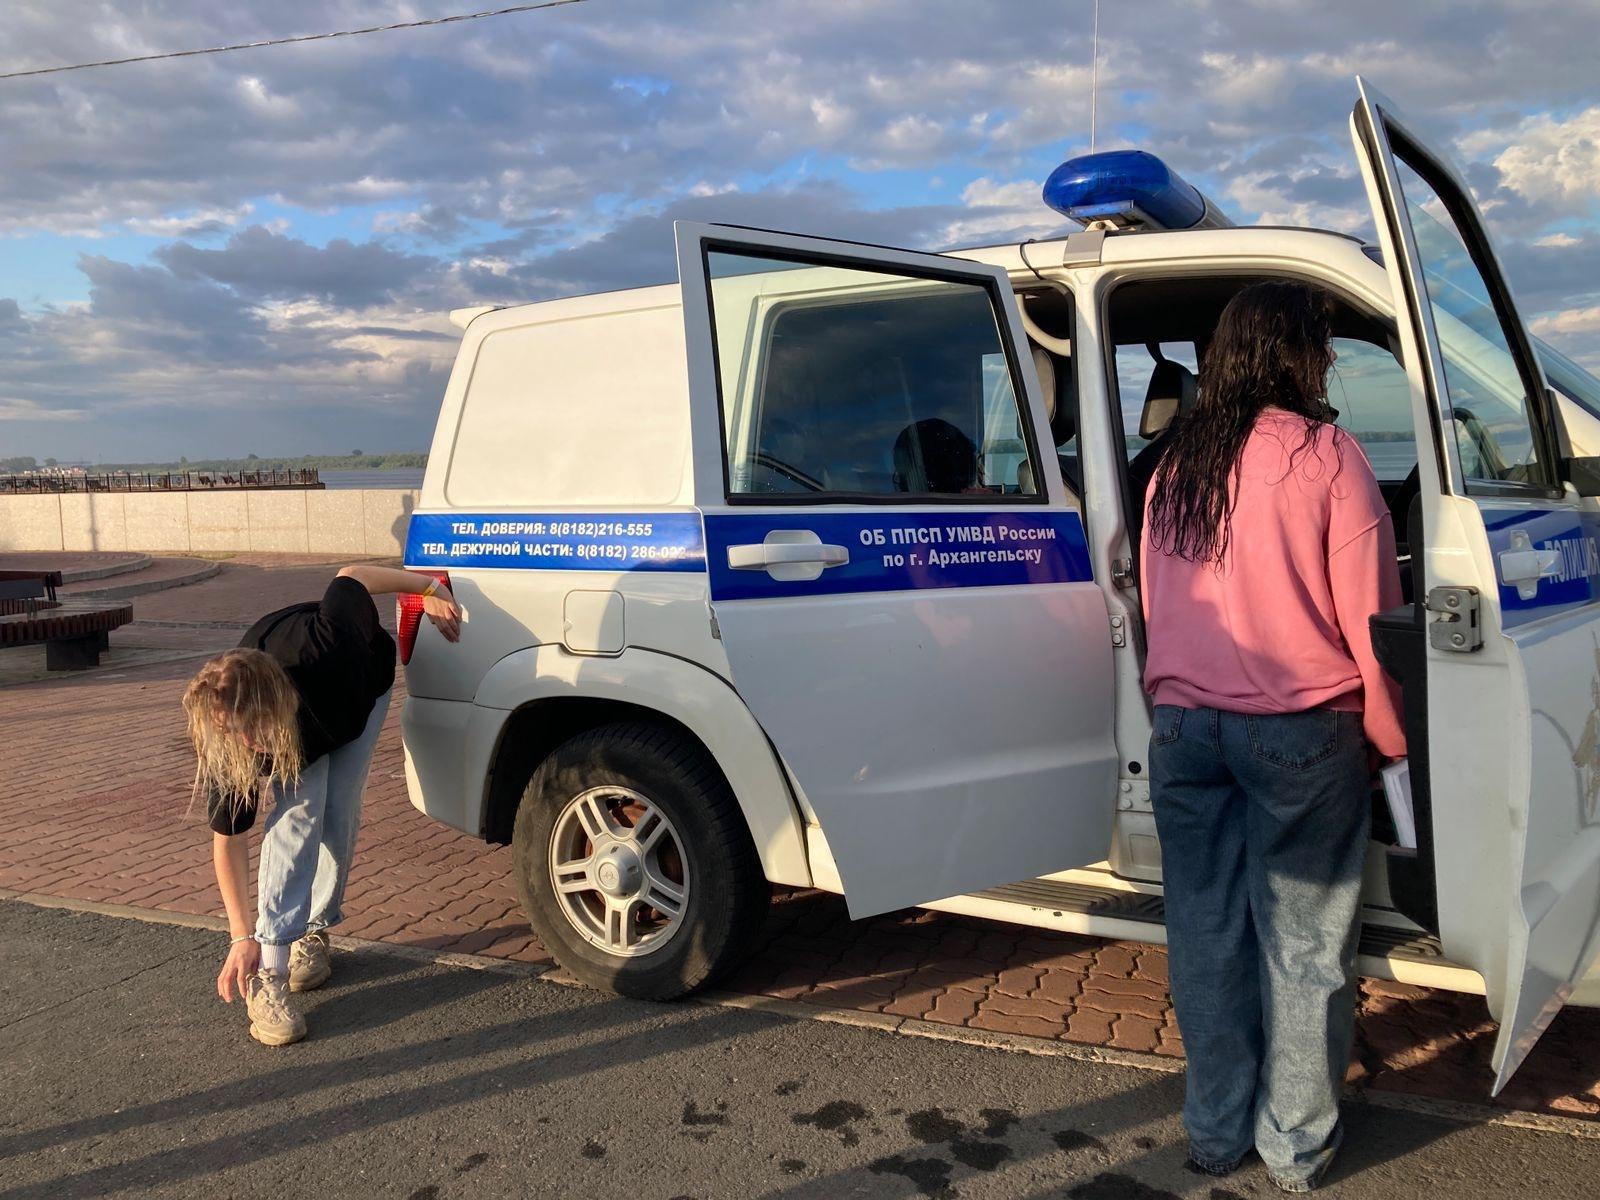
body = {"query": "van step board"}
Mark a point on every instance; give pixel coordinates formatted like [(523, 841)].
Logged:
[(1377, 941)]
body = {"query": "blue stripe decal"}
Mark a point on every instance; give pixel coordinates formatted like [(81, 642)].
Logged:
[(892, 552), (1575, 534), (660, 541)]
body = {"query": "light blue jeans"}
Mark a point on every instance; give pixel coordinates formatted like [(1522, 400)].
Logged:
[(310, 839), (1263, 823)]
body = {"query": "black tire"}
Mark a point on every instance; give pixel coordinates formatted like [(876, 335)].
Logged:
[(728, 894)]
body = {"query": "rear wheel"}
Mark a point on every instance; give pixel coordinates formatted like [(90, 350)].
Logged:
[(634, 862)]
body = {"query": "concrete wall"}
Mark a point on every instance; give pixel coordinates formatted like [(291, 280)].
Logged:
[(358, 522)]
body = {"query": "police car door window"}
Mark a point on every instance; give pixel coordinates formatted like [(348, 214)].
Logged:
[(842, 381), (1490, 417), (1370, 389)]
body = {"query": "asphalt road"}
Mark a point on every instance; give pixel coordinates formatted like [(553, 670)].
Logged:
[(120, 1072)]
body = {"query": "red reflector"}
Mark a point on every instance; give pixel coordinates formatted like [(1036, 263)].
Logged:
[(408, 615)]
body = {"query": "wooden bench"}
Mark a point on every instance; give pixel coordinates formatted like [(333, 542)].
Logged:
[(19, 587), (74, 632)]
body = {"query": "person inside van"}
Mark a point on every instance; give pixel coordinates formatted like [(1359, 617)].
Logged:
[(1267, 546), (933, 456), (288, 721)]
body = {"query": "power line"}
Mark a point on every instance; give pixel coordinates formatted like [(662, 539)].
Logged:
[(289, 41)]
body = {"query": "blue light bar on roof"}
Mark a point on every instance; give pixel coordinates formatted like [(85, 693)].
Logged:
[(1129, 189)]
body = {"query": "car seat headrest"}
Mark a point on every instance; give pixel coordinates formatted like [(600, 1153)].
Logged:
[(1044, 365), (1056, 381), (1170, 395)]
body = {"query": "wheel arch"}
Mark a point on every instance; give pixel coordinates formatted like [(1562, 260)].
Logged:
[(550, 695)]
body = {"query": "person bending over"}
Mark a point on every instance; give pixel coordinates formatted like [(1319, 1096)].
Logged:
[(288, 722)]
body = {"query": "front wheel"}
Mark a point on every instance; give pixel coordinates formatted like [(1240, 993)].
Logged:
[(634, 862)]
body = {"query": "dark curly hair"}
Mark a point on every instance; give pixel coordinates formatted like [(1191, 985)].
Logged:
[(1271, 348)]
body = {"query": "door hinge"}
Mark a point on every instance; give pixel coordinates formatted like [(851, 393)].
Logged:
[(1122, 573), (1119, 631), (1455, 625), (716, 630)]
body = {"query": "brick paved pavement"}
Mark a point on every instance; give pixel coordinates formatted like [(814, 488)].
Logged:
[(94, 772)]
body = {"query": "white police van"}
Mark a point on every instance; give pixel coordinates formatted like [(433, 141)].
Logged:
[(817, 568)]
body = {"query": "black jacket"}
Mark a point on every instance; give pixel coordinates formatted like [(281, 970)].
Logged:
[(340, 660)]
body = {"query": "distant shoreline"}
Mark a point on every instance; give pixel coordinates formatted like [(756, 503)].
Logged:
[(398, 461), (318, 462)]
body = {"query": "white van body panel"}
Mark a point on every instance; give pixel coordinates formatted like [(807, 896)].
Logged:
[(696, 698), (498, 450), (449, 752)]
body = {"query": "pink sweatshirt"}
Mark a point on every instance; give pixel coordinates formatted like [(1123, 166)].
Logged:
[(1280, 625)]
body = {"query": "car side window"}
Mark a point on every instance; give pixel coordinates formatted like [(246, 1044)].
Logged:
[(840, 381), (1370, 389)]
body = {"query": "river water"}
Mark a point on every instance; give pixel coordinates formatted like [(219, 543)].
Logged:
[(408, 477)]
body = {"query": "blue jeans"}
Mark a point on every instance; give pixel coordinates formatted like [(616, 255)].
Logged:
[(310, 839), (1263, 823)]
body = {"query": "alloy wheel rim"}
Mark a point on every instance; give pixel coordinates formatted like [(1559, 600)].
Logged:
[(618, 871)]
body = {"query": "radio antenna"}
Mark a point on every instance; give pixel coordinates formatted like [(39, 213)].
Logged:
[(1094, 77)]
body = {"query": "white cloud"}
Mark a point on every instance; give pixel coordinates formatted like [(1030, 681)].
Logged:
[(14, 409), (1002, 211), (1270, 197), (1018, 193), (1566, 324), (1555, 160), (263, 102), (177, 225), (832, 117)]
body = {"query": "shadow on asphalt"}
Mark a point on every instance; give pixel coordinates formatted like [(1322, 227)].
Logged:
[(459, 1071), (373, 990)]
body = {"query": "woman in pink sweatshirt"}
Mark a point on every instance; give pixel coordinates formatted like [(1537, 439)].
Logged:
[(1267, 547)]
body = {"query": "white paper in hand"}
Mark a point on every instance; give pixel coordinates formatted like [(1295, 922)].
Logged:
[(1397, 788)]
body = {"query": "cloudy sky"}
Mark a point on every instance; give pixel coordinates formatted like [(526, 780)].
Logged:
[(254, 252)]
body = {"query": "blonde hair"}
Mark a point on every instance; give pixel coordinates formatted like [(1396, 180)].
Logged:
[(243, 723)]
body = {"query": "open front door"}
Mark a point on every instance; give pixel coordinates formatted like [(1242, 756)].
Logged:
[(1514, 687), (903, 593)]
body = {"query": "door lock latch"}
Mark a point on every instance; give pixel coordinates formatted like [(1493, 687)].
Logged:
[(1455, 624)]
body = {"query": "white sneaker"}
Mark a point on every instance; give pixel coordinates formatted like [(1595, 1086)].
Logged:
[(272, 1021), (308, 962)]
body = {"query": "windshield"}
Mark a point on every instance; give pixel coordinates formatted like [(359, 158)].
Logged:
[(1566, 376), (1492, 415)]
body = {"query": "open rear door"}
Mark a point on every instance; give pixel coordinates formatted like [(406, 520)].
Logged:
[(904, 595), (1511, 572)]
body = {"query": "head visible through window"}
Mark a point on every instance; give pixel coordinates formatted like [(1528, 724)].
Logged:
[(933, 457)]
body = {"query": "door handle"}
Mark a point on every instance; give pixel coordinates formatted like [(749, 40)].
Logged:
[(760, 556), (1523, 565)]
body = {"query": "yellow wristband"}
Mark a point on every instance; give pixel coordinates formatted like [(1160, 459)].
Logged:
[(433, 586)]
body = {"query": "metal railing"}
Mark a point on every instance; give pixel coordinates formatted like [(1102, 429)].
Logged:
[(57, 482)]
